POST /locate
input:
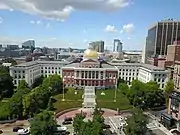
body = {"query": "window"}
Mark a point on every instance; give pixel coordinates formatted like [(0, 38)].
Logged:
[(52, 72), (14, 71), (41, 71), (52, 67), (23, 71), (23, 76), (49, 68), (45, 67), (15, 82), (15, 76), (49, 72), (19, 76), (163, 80), (46, 72), (162, 85)]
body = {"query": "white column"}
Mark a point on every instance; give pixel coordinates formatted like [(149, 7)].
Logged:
[(99, 72)]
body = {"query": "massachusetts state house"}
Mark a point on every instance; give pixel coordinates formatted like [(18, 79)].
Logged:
[(90, 71)]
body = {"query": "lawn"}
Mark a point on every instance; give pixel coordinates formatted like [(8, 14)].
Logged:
[(107, 100), (73, 100)]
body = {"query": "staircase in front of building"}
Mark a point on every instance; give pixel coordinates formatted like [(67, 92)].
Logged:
[(89, 97)]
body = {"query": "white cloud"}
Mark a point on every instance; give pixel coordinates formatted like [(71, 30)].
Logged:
[(128, 28), (54, 38), (61, 9), (11, 10), (85, 41), (36, 22), (84, 31), (129, 38), (32, 22), (121, 31), (110, 28), (48, 25), (1, 20)]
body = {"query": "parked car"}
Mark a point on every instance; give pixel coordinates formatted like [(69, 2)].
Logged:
[(66, 122), (15, 129), (23, 132), (1, 131), (68, 119), (106, 126)]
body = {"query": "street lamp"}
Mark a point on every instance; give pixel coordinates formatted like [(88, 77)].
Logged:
[(63, 99), (115, 90)]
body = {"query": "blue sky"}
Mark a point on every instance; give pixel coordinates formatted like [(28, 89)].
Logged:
[(74, 23)]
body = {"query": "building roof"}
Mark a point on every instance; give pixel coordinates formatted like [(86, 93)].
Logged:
[(151, 67), (126, 64), (31, 63)]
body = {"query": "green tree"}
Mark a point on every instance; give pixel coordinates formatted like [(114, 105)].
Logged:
[(38, 81), (36, 100), (53, 83), (169, 87), (136, 123), (43, 124), (50, 105), (77, 122), (123, 87), (6, 83), (15, 103), (145, 95)]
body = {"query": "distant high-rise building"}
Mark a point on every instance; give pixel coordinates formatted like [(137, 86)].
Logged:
[(12, 47), (117, 46), (97, 45), (161, 35), (28, 44)]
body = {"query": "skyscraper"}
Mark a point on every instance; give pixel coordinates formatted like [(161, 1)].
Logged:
[(161, 35), (117, 46), (97, 46), (28, 44)]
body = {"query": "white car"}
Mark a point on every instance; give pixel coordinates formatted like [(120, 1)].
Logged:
[(23, 132)]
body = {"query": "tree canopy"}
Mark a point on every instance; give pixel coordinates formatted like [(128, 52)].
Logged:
[(145, 95), (169, 87), (94, 127), (136, 123), (38, 81), (6, 83), (53, 83), (43, 124)]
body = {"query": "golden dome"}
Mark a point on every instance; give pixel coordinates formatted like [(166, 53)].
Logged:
[(90, 54)]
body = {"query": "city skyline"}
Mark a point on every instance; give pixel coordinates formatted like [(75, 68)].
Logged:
[(75, 23)]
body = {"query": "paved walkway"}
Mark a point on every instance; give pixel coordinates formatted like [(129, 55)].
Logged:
[(156, 124)]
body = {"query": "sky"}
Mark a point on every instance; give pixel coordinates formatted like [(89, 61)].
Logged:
[(75, 23)]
